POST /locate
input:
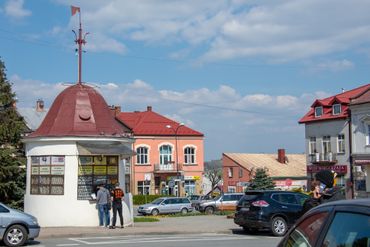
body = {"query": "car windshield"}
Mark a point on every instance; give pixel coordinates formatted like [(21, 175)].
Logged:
[(157, 201), (217, 197)]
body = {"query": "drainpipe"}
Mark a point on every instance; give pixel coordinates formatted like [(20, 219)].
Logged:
[(350, 155)]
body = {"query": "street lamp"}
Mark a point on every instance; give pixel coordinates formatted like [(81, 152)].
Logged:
[(175, 130)]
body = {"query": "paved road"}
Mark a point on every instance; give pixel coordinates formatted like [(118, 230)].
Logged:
[(176, 240)]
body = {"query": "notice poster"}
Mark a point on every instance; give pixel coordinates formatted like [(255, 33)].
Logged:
[(84, 192), (100, 160), (100, 170), (45, 160), (112, 160), (57, 170), (35, 160), (57, 190), (85, 170), (86, 160), (35, 170), (57, 160), (44, 170), (112, 170)]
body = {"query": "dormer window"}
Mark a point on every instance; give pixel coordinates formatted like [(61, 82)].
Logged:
[(337, 109), (318, 111)]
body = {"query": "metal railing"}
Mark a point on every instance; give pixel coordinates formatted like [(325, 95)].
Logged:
[(167, 167), (322, 157)]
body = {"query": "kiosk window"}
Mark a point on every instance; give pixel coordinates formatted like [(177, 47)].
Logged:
[(47, 175), (93, 171)]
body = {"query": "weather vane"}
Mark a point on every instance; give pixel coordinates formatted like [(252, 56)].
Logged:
[(79, 40)]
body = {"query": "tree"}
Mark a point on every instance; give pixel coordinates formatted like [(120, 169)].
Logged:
[(261, 180), (12, 160), (213, 172)]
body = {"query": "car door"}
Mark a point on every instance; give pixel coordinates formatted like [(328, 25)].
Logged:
[(227, 202), (165, 206), (176, 205), (288, 205)]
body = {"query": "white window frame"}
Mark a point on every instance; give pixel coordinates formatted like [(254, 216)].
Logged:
[(147, 155), (322, 111), (342, 140), (144, 185), (170, 155), (230, 172), (189, 156), (340, 109), (310, 142)]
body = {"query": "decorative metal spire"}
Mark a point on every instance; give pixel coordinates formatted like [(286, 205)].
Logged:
[(79, 40)]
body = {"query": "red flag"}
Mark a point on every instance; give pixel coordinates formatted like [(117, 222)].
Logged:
[(74, 10)]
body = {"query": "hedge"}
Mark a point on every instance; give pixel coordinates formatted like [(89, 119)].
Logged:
[(143, 199)]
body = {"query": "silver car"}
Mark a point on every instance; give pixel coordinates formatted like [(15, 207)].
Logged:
[(224, 202), (166, 205), (16, 227)]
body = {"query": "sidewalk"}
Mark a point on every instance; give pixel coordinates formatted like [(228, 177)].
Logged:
[(166, 225)]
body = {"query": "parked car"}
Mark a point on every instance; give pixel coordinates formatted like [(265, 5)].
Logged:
[(16, 226), (269, 209), (166, 205), (339, 223), (223, 202), (196, 200)]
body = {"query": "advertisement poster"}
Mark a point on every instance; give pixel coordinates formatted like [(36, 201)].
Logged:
[(57, 160), (100, 170), (112, 170), (85, 170), (35, 170), (57, 170), (44, 160), (44, 170)]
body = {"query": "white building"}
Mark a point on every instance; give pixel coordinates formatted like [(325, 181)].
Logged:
[(78, 145)]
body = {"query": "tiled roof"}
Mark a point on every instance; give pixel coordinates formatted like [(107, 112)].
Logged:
[(150, 123), (327, 103), (79, 111), (294, 167), (362, 98), (32, 117)]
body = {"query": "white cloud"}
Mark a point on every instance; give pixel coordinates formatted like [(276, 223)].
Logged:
[(334, 66), (15, 9)]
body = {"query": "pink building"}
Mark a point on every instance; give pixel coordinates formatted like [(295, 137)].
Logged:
[(169, 155)]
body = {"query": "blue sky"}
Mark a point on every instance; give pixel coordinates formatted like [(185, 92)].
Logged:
[(241, 72)]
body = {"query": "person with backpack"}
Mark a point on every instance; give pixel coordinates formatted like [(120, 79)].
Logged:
[(117, 195)]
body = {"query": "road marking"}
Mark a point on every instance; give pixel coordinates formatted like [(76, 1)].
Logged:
[(67, 244), (163, 239)]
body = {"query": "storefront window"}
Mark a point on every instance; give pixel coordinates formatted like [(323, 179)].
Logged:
[(93, 171), (190, 187), (47, 175)]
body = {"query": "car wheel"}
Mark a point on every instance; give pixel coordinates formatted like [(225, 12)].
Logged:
[(16, 235), (155, 212), (184, 211), (209, 210), (279, 226)]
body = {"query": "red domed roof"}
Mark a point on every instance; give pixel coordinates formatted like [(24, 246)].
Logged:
[(79, 111)]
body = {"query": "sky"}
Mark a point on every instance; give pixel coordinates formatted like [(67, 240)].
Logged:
[(241, 72)]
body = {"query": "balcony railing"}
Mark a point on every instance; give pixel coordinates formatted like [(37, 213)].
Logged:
[(167, 167), (323, 158)]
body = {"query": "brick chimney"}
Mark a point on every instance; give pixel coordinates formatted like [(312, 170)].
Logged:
[(281, 155), (39, 105), (149, 108), (115, 110)]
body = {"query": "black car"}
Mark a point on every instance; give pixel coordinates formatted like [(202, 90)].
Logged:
[(269, 209), (339, 223)]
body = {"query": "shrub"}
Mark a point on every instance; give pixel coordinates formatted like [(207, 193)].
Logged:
[(143, 199)]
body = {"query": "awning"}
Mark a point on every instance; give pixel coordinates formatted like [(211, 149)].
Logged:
[(85, 148), (362, 162)]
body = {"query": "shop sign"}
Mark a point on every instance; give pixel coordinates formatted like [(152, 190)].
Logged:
[(340, 169), (192, 177)]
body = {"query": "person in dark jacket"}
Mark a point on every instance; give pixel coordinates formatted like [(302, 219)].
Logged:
[(323, 190)]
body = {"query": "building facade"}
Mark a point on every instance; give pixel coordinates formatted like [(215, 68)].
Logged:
[(169, 156), (287, 171), (328, 135)]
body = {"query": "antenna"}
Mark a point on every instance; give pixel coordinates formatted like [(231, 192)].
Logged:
[(79, 40)]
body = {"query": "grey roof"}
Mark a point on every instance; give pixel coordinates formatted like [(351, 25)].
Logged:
[(32, 118)]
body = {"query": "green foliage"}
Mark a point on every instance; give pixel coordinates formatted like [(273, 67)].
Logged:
[(12, 168), (261, 181), (143, 199), (145, 219)]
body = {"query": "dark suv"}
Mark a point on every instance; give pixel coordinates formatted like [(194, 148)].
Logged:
[(269, 209)]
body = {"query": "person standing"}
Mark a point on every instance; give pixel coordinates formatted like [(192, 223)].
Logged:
[(117, 195), (102, 200)]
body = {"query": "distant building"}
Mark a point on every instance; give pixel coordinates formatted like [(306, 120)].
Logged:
[(328, 135), (33, 116), (287, 171), (169, 156)]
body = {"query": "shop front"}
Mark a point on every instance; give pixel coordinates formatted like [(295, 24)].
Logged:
[(360, 176)]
